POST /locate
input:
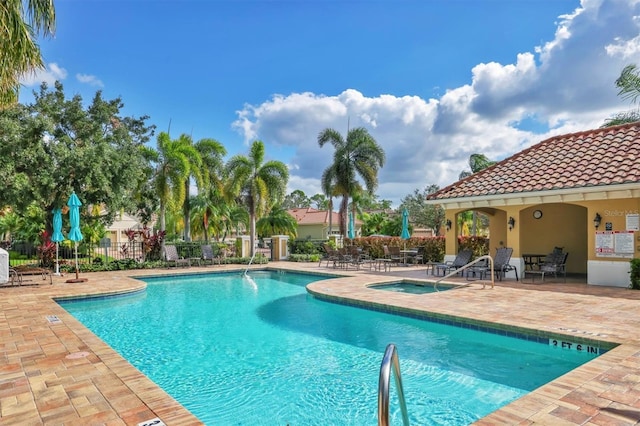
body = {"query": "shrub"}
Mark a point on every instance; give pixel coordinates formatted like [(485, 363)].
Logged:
[(635, 274)]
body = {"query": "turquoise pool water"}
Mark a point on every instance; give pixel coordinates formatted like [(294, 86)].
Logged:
[(261, 351), (411, 288)]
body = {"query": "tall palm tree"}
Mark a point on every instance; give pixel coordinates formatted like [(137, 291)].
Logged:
[(258, 184), (206, 164), (357, 156), (173, 169), (21, 22)]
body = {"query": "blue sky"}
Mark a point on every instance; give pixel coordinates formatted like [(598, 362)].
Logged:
[(432, 81)]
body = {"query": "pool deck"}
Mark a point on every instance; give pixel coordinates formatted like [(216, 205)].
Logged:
[(53, 371)]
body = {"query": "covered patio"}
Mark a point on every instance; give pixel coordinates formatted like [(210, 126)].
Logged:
[(578, 192)]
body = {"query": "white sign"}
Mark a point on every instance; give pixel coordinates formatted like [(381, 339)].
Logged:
[(614, 244), (633, 222)]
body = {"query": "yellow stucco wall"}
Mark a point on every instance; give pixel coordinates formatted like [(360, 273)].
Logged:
[(566, 225)]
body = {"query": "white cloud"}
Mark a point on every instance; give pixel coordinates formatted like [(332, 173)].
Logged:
[(91, 80), (49, 75), (563, 86)]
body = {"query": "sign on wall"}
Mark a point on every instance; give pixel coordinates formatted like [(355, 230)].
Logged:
[(614, 244)]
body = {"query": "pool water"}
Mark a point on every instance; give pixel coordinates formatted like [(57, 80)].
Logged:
[(411, 288), (261, 351)]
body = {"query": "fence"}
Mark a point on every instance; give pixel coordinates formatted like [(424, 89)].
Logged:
[(25, 253)]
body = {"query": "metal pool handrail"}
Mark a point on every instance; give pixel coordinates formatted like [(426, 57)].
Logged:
[(390, 358), (468, 265)]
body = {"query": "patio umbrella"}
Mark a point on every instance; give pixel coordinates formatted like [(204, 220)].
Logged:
[(74, 233), (57, 235), (352, 227), (405, 225)]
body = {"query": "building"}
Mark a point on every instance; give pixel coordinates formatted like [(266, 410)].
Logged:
[(579, 191), (314, 224)]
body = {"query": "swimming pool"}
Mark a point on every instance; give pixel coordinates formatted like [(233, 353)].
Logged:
[(263, 351)]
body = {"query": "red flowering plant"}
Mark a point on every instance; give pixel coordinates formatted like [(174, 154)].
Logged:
[(152, 243), (46, 250)]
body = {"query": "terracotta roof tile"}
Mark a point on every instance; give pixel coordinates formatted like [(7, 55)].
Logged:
[(586, 159)]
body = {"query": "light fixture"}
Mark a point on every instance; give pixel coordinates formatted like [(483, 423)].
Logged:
[(448, 223), (511, 222), (597, 220)]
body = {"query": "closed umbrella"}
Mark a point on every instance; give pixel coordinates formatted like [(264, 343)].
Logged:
[(405, 225), (352, 227), (57, 235), (74, 233)]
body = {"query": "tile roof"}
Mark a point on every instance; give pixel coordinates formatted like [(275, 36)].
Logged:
[(599, 157), (310, 216)]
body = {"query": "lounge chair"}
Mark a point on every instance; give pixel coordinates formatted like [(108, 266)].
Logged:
[(501, 263), (21, 272), (171, 256), (462, 258), (208, 255)]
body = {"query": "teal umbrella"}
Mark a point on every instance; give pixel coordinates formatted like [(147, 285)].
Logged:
[(405, 225), (352, 227), (74, 233), (57, 235)]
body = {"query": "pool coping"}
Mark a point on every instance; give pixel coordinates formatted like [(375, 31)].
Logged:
[(40, 385)]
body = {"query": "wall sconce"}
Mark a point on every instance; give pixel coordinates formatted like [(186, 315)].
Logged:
[(511, 222), (597, 220), (448, 224)]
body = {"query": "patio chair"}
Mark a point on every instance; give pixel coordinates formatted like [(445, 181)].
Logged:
[(330, 257), (208, 255), (462, 258), (171, 257), (393, 254), (501, 263), (554, 263), (22, 271)]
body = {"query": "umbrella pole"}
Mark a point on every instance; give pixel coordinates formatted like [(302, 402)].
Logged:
[(57, 274), (76, 244)]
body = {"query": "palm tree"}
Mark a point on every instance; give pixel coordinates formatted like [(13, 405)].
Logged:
[(477, 162), (173, 169), (258, 184), (277, 222), (629, 88), (206, 164), (357, 156), (19, 54)]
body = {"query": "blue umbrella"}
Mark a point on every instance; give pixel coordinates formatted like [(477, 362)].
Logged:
[(352, 227), (74, 219), (405, 225), (57, 235)]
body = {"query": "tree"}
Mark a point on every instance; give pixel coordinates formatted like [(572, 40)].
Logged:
[(357, 156), (277, 222), (320, 201), (296, 200), (422, 214), (477, 162), (205, 163), (173, 169), (56, 145), (257, 184), (22, 21), (629, 89)]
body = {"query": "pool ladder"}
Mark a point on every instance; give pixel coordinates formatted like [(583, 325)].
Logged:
[(389, 361)]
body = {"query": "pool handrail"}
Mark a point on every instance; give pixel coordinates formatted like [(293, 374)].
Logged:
[(390, 359), (468, 265)]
